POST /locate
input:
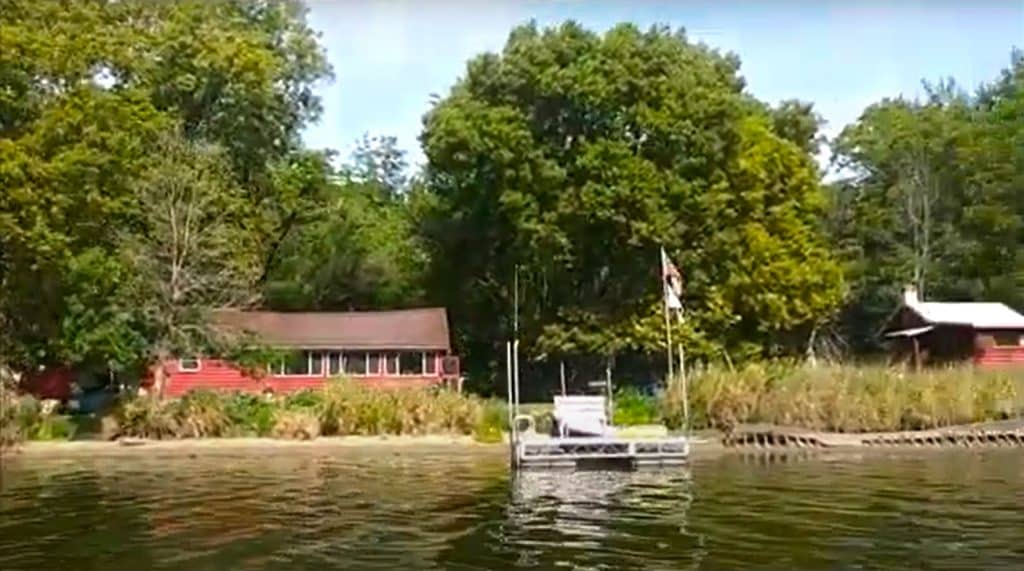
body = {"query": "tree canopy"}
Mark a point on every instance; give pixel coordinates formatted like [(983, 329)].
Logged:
[(933, 194), (575, 156)]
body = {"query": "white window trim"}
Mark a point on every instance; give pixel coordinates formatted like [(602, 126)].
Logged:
[(279, 369), (183, 369), (423, 365), (366, 364)]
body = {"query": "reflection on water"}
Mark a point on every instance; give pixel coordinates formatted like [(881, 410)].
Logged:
[(455, 508)]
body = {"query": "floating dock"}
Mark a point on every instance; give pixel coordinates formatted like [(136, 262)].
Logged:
[(536, 451)]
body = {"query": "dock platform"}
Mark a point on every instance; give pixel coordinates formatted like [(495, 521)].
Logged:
[(536, 451)]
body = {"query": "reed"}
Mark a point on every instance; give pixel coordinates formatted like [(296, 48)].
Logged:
[(844, 398), (341, 408)]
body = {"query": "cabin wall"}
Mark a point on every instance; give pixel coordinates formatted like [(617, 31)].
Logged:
[(997, 348), (215, 374)]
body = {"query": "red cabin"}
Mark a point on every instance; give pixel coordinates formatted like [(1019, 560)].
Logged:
[(387, 349), (927, 332)]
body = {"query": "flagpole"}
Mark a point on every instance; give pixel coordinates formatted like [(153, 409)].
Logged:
[(668, 322)]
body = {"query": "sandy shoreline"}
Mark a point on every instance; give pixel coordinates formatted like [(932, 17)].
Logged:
[(61, 447)]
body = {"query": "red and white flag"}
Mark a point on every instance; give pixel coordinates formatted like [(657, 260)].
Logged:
[(672, 282)]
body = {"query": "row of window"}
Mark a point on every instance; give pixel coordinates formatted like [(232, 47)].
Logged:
[(352, 363), (356, 363)]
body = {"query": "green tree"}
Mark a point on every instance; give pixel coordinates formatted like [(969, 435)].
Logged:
[(90, 90), (934, 196), (357, 247), (575, 156)]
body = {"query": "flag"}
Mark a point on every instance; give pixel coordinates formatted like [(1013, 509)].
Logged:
[(673, 282)]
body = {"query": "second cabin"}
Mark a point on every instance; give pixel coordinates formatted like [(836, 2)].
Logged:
[(987, 334)]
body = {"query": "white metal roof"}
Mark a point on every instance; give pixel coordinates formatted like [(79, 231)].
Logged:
[(912, 332), (980, 315)]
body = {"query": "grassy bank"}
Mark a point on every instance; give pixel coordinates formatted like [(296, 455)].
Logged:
[(845, 398), (339, 409)]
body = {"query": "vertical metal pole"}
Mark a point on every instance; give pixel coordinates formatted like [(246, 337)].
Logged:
[(686, 383), (515, 336), (508, 378), (668, 344), (561, 371), (515, 373), (608, 388), (668, 323)]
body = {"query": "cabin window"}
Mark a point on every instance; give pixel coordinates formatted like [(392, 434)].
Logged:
[(410, 363), (354, 363), (189, 365), (300, 364), (334, 364), (316, 363), (1006, 339), (430, 363), (297, 363), (391, 364), (374, 364)]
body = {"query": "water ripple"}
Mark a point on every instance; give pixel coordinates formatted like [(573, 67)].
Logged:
[(452, 508)]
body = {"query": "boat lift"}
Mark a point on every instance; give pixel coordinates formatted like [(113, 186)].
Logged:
[(583, 437)]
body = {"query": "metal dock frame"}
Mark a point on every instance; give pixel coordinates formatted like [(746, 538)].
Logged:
[(583, 452)]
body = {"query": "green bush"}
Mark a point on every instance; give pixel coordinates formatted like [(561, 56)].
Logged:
[(201, 414), (492, 422), (633, 408), (146, 417), (249, 414), (27, 418)]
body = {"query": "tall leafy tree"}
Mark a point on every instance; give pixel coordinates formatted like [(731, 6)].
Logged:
[(90, 90), (934, 196), (574, 156)]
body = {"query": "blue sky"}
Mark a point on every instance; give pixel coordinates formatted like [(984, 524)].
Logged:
[(390, 56)]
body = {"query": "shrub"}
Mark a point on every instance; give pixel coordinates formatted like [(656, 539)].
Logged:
[(633, 407), (843, 398), (201, 414), (146, 417), (296, 424), (250, 415), (492, 422)]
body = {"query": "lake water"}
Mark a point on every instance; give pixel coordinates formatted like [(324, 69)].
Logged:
[(459, 508)]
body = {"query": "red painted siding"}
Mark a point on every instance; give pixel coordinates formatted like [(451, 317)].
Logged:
[(218, 375), (50, 384), (999, 356)]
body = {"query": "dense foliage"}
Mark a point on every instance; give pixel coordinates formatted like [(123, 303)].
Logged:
[(151, 171), (575, 156), (933, 194)]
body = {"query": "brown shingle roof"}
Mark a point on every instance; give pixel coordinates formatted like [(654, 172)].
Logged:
[(403, 329)]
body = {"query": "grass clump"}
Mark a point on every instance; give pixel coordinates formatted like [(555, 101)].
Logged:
[(844, 398), (633, 408), (249, 414), (27, 418)]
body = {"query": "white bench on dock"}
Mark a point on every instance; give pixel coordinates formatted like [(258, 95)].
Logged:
[(581, 416), (584, 438)]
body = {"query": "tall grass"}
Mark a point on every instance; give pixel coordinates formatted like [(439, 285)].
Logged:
[(27, 418), (633, 408), (845, 398), (341, 408)]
